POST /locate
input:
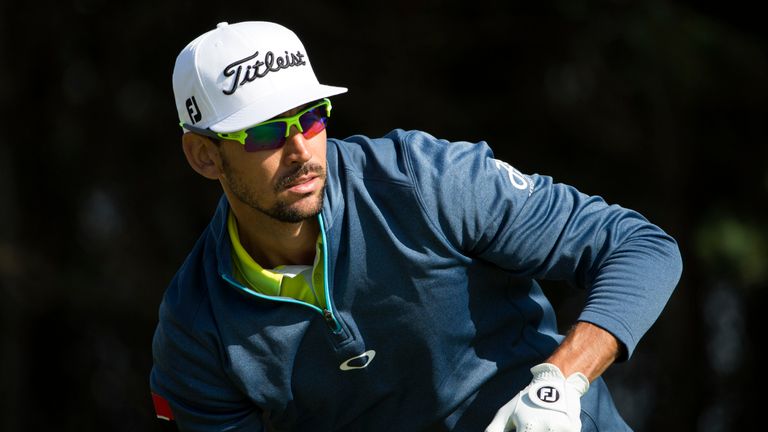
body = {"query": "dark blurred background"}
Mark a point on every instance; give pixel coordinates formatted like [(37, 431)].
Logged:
[(658, 106)]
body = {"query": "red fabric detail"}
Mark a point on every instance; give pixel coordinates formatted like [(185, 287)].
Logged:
[(162, 408)]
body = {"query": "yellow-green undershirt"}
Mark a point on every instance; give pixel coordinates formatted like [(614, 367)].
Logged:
[(293, 281)]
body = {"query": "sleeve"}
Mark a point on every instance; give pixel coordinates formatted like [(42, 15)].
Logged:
[(188, 373), (535, 228)]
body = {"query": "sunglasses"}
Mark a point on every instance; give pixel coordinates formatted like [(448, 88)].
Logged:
[(272, 134)]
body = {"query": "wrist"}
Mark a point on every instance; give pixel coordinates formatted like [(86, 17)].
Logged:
[(587, 349)]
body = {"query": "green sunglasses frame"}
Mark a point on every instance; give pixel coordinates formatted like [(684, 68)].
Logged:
[(240, 136)]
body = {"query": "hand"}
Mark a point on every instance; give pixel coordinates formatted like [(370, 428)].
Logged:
[(550, 403)]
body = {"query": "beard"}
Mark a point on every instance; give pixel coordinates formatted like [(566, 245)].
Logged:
[(281, 210)]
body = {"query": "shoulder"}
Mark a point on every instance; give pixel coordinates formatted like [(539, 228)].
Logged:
[(186, 338), (405, 152), (371, 158), (186, 309), (394, 138)]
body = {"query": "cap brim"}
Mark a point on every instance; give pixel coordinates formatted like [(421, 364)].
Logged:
[(272, 105)]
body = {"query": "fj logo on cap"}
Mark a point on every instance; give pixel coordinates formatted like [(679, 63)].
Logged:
[(193, 110), (259, 68)]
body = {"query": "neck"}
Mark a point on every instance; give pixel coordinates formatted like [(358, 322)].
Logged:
[(271, 242)]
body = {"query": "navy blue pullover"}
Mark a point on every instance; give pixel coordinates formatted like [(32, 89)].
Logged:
[(435, 316)]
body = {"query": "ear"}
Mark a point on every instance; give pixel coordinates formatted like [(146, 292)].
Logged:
[(202, 155)]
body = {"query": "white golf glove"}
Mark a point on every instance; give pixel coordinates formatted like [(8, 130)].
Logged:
[(550, 403)]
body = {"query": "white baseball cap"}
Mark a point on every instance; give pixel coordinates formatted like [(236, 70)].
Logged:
[(238, 75)]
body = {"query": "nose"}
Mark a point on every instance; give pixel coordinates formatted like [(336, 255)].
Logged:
[(296, 148)]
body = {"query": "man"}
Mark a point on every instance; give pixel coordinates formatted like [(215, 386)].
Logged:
[(383, 284)]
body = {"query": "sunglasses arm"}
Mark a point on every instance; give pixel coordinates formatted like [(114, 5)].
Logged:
[(235, 136)]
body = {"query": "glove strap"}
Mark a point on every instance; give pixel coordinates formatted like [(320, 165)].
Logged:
[(549, 372)]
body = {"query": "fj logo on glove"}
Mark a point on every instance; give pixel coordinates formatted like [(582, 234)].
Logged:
[(548, 394)]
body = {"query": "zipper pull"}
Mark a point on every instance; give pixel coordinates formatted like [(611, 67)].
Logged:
[(328, 316)]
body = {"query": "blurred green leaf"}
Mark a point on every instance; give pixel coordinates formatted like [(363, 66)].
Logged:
[(735, 248)]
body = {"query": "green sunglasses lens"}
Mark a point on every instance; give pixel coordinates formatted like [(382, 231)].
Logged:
[(272, 135), (264, 137)]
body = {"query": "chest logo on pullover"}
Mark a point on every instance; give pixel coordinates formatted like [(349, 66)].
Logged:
[(358, 362)]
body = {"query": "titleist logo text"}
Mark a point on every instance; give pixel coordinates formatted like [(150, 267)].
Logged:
[(244, 74)]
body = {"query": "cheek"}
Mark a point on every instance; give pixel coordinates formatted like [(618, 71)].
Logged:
[(252, 169), (319, 147)]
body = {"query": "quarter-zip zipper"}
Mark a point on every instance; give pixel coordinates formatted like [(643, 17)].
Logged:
[(327, 313)]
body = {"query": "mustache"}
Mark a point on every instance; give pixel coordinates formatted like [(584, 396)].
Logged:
[(303, 170)]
